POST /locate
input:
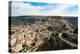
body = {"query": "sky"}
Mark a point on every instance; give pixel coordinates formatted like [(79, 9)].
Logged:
[(21, 8)]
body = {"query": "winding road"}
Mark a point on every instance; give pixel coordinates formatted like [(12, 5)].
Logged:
[(65, 40)]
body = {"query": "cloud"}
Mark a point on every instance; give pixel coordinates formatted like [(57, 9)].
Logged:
[(21, 8), (62, 10)]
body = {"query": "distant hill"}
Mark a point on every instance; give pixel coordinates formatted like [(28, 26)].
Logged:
[(17, 20), (72, 20), (24, 19)]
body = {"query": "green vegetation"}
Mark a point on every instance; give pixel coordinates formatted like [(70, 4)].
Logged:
[(65, 27), (55, 43)]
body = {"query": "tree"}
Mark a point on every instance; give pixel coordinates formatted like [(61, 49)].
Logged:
[(65, 27)]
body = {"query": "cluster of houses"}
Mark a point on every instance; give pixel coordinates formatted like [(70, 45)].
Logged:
[(30, 35)]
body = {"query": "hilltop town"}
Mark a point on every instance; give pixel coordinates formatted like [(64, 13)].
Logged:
[(41, 35)]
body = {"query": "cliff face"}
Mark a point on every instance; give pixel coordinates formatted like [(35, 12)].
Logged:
[(41, 35)]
